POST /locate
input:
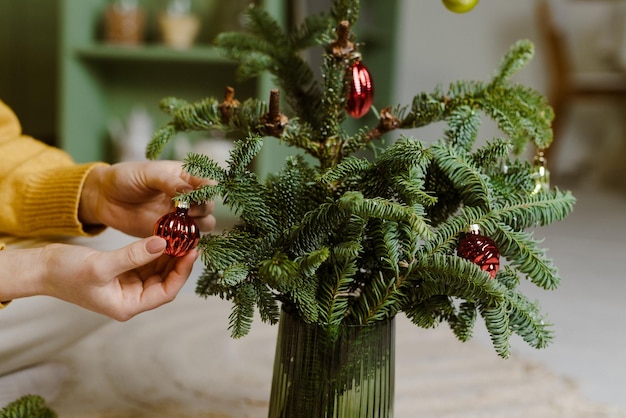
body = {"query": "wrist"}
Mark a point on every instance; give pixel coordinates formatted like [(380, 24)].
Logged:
[(88, 207), (21, 273)]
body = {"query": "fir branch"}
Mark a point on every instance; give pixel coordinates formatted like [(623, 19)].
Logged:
[(521, 113), (208, 284), (233, 275), (27, 406), (491, 153), (301, 135), (303, 297), (334, 293), (382, 297), (269, 311), (315, 228), (383, 209), (472, 184), (279, 272), (430, 312), (247, 49), (220, 251), (159, 140), (463, 123), (333, 102), (267, 48), (387, 240), (526, 256), (508, 277), (497, 323), (518, 56), (205, 193), (349, 167), (510, 179), (291, 192), (242, 154), (171, 105), (200, 165), (454, 276), (201, 115), (524, 211), (426, 108), (526, 321), (246, 196), (462, 323), (242, 313), (309, 263), (409, 187)]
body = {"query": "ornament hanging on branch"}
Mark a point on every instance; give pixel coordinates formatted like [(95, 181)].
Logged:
[(361, 92), (480, 250), (540, 173), (179, 230), (460, 6)]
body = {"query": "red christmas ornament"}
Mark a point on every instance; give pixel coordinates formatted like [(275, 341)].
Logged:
[(480, 250), (179, 230), (361, 92)]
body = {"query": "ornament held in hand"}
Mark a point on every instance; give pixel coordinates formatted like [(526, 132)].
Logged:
[(179, 230), (480, 250), (361, 92)]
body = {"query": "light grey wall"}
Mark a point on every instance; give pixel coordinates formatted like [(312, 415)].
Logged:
[(437, 47)]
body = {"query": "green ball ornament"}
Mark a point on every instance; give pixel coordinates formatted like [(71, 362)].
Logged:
[(460, 6)]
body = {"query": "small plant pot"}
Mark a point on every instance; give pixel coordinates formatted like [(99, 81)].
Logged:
[(179, 30)]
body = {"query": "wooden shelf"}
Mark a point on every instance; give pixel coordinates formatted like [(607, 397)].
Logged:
[(196, 54)]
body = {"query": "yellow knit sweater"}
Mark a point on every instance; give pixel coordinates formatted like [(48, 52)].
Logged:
[(40, 185)]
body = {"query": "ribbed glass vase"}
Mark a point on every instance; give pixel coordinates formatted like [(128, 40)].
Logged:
[(345, 372)]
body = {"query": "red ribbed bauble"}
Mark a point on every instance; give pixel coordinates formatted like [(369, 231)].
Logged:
[(480, 250), (179, 230), (361, 92)]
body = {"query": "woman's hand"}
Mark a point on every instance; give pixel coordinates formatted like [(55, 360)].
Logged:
[(120, 283), (132, 196)]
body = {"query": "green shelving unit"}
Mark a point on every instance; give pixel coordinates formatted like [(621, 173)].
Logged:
[(100, 82)]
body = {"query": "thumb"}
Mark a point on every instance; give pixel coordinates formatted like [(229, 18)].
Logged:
[(138, 253)]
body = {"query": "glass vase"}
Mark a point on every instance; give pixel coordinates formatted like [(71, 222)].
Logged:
[(341, 372)]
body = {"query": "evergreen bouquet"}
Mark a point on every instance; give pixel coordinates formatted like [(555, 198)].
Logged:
[(338, 236)]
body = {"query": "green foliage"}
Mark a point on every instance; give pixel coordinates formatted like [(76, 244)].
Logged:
[(28, 406), (345, 239)]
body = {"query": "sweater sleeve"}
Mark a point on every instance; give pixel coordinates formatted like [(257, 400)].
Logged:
[(40, 185)]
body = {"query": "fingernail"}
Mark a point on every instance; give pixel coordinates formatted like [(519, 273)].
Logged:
[(155, 245)]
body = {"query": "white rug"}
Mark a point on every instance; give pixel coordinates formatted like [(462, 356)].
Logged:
[(179, 361)]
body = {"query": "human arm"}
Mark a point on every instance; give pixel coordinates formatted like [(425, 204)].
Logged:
[(119, 283)]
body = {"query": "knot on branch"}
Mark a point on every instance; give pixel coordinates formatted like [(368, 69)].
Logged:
[(228, 105), (273, 121), (388, 122), (342, 46)]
